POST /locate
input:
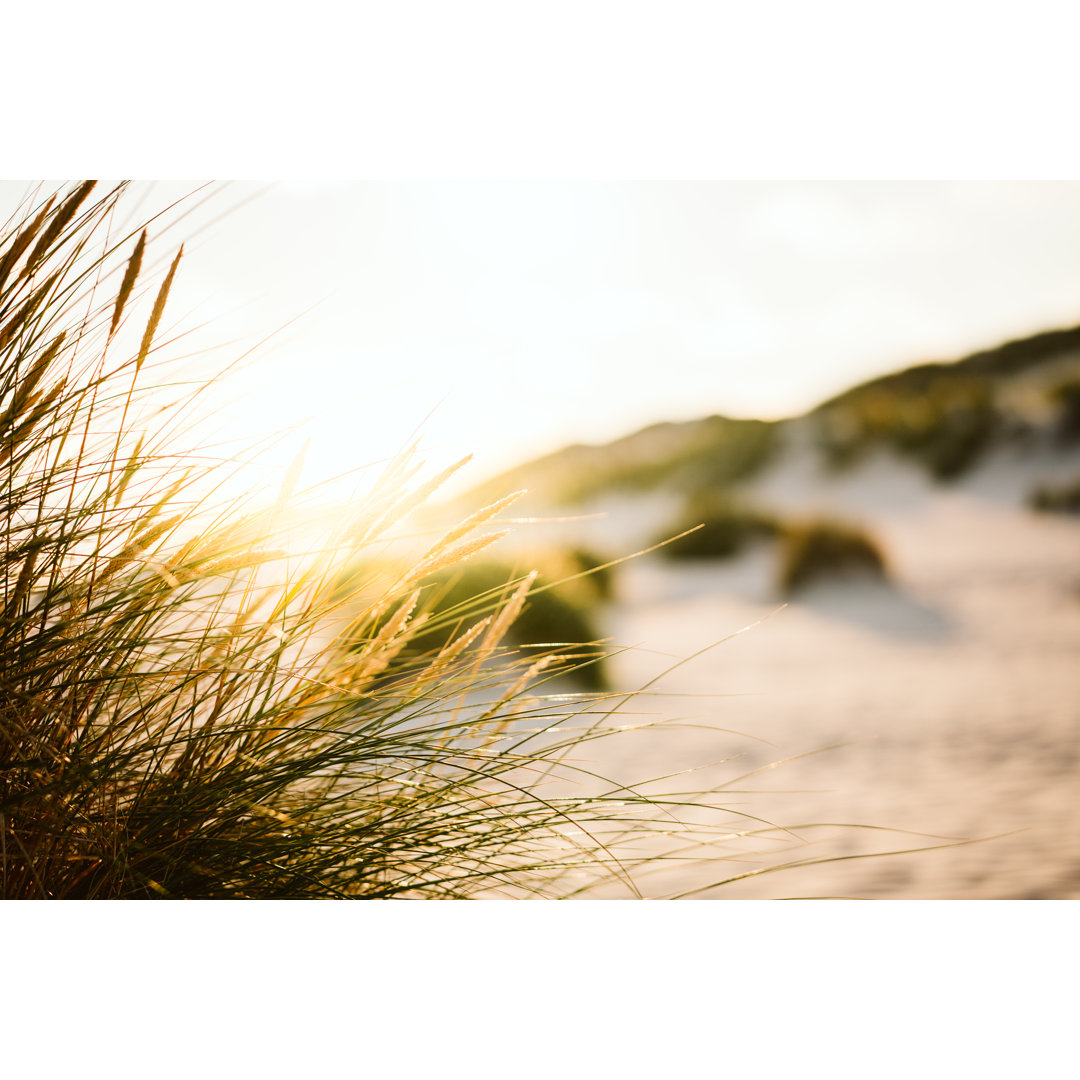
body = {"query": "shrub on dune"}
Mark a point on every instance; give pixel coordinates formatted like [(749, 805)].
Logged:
[(826, 550), (962, 428), (723, 527), (1062, 498), (942, 421), (594, 576), (1065, 398), (557, 613)]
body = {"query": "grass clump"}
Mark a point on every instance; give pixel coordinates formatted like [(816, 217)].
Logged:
[(942, 421), (593, 576), (559, 611), (714, 452), (806, 550), (1063, 498), (822, 550), (727, 527), (191, 705), (1065, 398)]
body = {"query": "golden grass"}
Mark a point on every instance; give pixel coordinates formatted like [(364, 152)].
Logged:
[(184, 713)]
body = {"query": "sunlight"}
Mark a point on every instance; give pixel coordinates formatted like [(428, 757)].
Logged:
[(246, 545), (508, 319)]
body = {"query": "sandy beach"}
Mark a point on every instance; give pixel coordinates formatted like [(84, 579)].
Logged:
[(955, 687)]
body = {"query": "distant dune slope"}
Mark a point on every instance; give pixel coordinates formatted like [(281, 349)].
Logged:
[(943, 417)]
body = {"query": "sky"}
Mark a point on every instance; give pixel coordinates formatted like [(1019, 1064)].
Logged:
[(507, 319)]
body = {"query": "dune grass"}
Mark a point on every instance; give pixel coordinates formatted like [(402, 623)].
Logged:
[(714, 452), (942, 421), (1065, 398), (728, 525), (191, 708), (821, 549), (718, 525), (559, 611), (1060, 498), (195, 706)]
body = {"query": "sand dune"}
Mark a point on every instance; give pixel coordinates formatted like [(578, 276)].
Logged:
[(957, 686)]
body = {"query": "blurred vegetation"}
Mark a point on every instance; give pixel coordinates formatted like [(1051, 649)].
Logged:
[(942, 416), (599, 583), (560, 609), (1065, 397), (714, 452), (193, 706), (946, 415), (730, 452), (1062, 498), (823, 549), (808, 550), (728, 526), (1015, 357), (944, 423)]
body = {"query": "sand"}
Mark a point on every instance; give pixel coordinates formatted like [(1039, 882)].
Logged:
[(957, 687)]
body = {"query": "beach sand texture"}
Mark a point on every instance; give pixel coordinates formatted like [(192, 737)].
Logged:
[(956, 688)]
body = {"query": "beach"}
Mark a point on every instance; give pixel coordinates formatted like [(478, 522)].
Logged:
[(948, 695)]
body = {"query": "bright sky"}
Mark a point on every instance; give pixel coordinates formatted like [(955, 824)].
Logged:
[(530, 315)]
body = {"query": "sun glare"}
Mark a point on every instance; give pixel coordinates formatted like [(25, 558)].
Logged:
[(508, 319)]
